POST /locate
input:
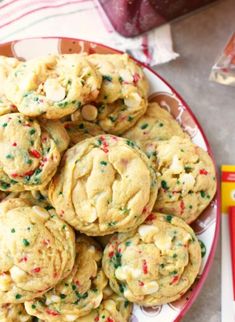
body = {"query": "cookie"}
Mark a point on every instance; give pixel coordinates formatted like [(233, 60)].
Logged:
[(105, 184), (79, 293), (156, 124), (123, 95), (155, 264), (37, 250), (29, 155), (53, 86), (113, 309), (7, 65), (81, 130), (187, 178), (14, 313)]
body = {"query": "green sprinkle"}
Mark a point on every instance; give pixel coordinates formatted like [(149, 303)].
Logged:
[(4, 125), (48, 207), (203, 248), (64, 226), (126, 303), (202, 193), (107, 78), (37, 172), (81, 126), (103, 163), (4, 185), (144, 126), (125, 211), (130, 118), (174, 272), (188, 169), (174, 255), (112, 118), (112, 223), (168, 218), (130, 143), (69, 82), (178, 182), (208, 196), (164, 185), (190, 206), (13, 181), (74, 287), (9, 156), (121, 288), (120, 79), (127, 243), (13, 230), (161, 124), (18, 296), (117, 260), (62, 296), (162, 265), (32, 131), (33, 306), (26, 242)]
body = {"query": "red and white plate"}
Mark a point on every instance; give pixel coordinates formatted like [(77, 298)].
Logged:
[(207, 225)]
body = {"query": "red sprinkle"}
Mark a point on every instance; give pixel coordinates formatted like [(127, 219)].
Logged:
[(77, 283), (141, 283), (23, 259), (52, 312), (174, 280), (14, 144), (151, 217), (111, 254), (109, 320), (28, 173), (136, 78), (15, 175), (46, 242), (182, 206), (145, 267), (35, 153), (97, 319), (36, 270), (203, 171)]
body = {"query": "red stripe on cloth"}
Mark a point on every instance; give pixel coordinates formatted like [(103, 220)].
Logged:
[(7, 4), (228, 176), (42, 8), (145, 49)]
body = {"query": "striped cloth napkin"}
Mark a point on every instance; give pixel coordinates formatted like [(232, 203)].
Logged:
[(82, 19)]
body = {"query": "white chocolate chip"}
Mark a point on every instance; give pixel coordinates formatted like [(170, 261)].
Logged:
[(70, 317), (17, 274), (163, 242), (52, 299), (188, 182), (133, 100), (176, 166), (89, 112), (126, 272), (147, 232), (150, 287), (126, 75), (41, 213), (54, 91), (5, 282)]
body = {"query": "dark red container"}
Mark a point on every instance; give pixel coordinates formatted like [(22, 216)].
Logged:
[(133, 17)]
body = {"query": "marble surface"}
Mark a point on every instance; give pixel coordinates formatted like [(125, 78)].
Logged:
[(199, 39)]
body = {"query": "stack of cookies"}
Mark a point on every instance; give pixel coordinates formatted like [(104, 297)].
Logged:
[(98, 188)]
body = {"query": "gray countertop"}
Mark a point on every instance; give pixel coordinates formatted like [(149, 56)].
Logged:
[(199, 39)]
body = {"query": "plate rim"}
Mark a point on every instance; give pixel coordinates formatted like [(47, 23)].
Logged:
[(217, 197)]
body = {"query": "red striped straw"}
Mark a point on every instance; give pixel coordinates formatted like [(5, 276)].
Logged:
[(231, 212)]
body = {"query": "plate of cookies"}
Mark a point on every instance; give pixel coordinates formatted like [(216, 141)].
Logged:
[(108, 188)]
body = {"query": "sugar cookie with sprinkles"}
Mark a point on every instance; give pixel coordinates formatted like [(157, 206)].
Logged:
[(123, 96), (156, 124), (187, 178), (78, 294), (53, 86), (154, 264), (7, 65), (14, 313), (29, 155), (37, 250), (105, 184)]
